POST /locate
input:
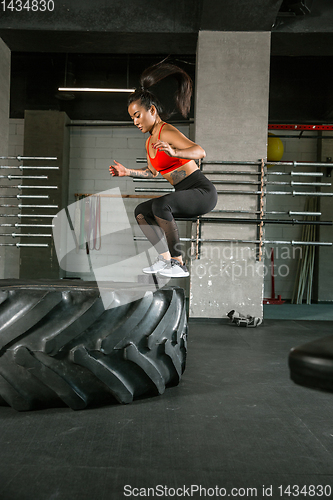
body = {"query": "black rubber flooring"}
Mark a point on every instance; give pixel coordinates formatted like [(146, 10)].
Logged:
[(235, 427)]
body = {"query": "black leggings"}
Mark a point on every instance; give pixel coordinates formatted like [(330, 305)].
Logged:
[(193, 196)]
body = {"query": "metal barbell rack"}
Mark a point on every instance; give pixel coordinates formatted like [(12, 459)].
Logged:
[(240, 220), (26, 225), (24, 196), (231, 240), (26, 235), (241, 172), (294, 164), (298, 174), (262, 174), (245, 172), (258, 212), (26, 167), (21, 158), (241, 192), (266, 183), (10, 177), (18, 245), (20, 186), (29, 206), (21, 196), (29, 216)]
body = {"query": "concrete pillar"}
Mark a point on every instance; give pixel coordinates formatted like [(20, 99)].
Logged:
[(232, 90), (325, 254), (4, 133), (46, 134)]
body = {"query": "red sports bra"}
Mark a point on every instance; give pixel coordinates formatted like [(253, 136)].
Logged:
[(164, 163)]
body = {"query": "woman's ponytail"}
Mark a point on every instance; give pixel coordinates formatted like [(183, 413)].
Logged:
[(156, 73)]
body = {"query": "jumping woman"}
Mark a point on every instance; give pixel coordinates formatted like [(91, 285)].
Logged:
[(172, 154)]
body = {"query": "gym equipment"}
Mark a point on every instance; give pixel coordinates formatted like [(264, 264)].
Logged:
[(29, 216), (233, 191), (241, 220), (26, 225), (25, 235), (30, 206), (258, 212), (18, 245), (25, 167), (21, 196), (299, 174), (261, 173), (240, 172), (21, 158), (87, 220), (305, 269), (299, 193), (241, 320), (311, 364), (60, 346), (273, 299), (265, 242), (10, 177), (267, 183), (275, 148), (258, 162), (20, 186)]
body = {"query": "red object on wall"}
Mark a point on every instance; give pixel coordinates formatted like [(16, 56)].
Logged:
[(273, 299)]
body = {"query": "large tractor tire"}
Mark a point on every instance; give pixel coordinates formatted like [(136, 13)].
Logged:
[(311, 364), (59, 346)]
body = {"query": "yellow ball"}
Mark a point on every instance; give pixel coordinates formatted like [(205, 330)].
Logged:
[(274, 148)]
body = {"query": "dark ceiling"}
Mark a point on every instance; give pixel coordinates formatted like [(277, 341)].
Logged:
[(131, 26), (37, 76), (108, 43)]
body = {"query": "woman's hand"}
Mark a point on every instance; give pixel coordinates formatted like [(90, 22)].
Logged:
[(165, 147), (118, 169)]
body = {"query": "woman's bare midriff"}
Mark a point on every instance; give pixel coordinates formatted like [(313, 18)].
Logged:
[(181, 173)]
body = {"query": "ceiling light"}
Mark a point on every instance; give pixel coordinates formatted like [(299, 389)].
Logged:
[(87, 89)]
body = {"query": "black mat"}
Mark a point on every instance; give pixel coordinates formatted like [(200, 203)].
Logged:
[(235, 421)]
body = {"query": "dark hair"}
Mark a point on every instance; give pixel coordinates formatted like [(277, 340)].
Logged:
[(153, 75)]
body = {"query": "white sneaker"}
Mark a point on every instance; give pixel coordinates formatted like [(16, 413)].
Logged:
[(175, 270), (159, 264)]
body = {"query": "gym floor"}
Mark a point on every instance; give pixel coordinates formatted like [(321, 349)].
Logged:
[(235, 426)]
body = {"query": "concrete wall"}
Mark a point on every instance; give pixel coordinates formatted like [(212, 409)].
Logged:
[(15, 148), (16, 137), (4, 134), (232, 90), (93, 149), (45, 135), (4, 96), (325, 257)]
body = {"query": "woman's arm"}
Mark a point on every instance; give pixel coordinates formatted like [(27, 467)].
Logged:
[(118, 170), (176, 144)]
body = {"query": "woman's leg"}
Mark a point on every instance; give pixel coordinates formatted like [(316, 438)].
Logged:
[(150, 227), (162, 209), (157, 217), (181, 203)]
